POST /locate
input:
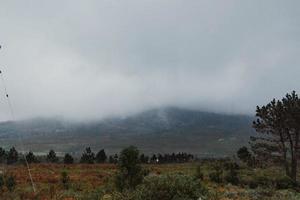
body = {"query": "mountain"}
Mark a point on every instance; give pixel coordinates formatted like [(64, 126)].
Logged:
[(154, 131)]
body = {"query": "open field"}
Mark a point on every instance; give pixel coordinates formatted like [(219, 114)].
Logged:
[(93, 181)]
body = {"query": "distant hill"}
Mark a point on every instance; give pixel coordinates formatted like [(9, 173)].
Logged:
[(158, 130)]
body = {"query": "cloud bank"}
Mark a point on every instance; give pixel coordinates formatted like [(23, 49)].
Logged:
[(95, 59)]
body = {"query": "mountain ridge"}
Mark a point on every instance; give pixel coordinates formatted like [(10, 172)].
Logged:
[(157, 130)]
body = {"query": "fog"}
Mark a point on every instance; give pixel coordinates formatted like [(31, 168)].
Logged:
[(93, 59)]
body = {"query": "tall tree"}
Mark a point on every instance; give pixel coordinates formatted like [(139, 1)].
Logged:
[(2, 155), (31, 158), (101, 156), (278, 123), (12, 156), (68, 159), (88, 156), (51, 156)]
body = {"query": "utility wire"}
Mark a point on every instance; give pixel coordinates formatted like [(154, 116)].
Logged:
[(20, 139)]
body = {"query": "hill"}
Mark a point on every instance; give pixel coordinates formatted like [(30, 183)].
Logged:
[(153, 131)]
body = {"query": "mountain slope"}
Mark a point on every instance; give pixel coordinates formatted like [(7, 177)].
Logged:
[(157, 130)]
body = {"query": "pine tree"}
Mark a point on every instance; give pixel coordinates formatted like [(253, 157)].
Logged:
[(12, 156), (68, 159), (51, 157), (30, 157), (88, 156), (2, 155), (101, 156), (278, 124)]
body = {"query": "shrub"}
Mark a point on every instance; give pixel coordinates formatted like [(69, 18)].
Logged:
[(262, 181), (30, 157), (232, 176), (217, 175), (169, 187), (1, 182), (10, 183), (231, 165), (88, 156), (12, 156), (68, 159), (65, 180), (199, 174), (130, 172), (51, 157), (2, 155), (285, 183), (101, 156)]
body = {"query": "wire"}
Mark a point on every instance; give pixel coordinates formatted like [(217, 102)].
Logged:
[(20, 136)]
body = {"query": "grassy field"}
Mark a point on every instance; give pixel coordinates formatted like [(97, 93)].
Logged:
[(94, 181)]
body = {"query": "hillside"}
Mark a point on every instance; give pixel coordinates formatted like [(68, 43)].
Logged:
[(158, 130)]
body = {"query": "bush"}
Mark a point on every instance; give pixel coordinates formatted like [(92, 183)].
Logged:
[(10, 183), (169, 187), (65, 180), (1, 182), (30, 157), (199, 175), (12, 156), (68, 159), (232, 177), (130, 172), (217, 175), (51, 156), (231, 165), (285, 183), (88, 156), (101, 156)]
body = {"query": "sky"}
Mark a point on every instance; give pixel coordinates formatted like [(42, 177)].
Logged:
[(100, 58)]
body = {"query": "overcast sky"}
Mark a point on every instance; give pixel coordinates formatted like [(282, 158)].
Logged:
[(93, 59)]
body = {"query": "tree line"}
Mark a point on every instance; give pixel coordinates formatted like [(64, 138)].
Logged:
[(12, 156)]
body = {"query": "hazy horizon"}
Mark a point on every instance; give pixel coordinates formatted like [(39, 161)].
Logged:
[(95, 59)]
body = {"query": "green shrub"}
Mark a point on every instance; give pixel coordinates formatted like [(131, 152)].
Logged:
[(10, 183), (231, 165), (65, 180), (169, 187), (263, 181), (232, 176), (199, 175), (285, 183), (217, 175), (130, 172), (1, 182)]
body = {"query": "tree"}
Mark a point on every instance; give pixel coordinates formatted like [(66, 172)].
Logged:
[(245, 156), (88, 156), (12, 156), (101, 156), (130, 172), (278, 124), (51, 157), (144, 159), (2, 155), (30, 157), (68, 159)]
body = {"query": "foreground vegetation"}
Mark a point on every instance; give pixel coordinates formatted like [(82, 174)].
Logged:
[(208, 179)]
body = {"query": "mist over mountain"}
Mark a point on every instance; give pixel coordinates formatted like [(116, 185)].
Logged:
[(201, 133)]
